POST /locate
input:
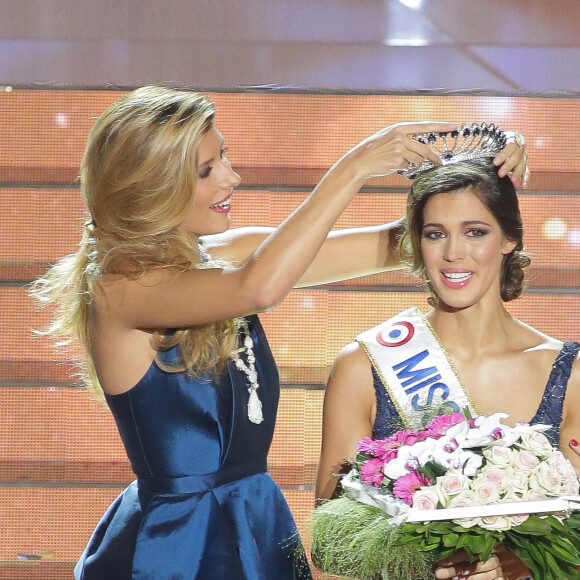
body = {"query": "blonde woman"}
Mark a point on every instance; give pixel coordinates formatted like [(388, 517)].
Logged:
[(163, 298)]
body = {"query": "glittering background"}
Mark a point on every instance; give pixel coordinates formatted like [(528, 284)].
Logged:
[(61, 461)]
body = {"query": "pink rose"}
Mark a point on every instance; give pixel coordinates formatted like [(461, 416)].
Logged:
[(533, 495), (495, 475), (518, 519), (571, 486), (563, 465)]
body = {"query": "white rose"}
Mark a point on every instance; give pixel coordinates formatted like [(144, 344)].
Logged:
[(525, 460), (546, 478), (427, 498), (571, 486), (487, 491), (515, 519), (495, 475), (533, 494), (496, 523), (511, 496), (500, 456), (465, 498), (537, 443), (516, 480), (562, 464), (452, 483)]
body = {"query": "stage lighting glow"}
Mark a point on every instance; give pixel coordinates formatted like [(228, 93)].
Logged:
[(413, 4), (406, 42), (61, 119), (555, 228), (574, 237)]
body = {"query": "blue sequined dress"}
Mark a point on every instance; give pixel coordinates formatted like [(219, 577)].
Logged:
[(388, 421), (203, 505)]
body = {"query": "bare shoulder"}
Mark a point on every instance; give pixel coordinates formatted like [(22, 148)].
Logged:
[(543, 347), (351, 374), (352, 359)]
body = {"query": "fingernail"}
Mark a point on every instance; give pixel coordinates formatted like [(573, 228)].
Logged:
[(574, 443)]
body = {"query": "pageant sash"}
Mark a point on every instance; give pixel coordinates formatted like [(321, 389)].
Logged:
[(413, 367)]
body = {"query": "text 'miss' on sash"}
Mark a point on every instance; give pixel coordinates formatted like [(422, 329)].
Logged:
[(414, 369)]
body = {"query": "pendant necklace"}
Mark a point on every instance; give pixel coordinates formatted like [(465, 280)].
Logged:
[(255, 414)]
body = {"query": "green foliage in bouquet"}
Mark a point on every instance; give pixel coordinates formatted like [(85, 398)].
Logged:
[(356, 540), (549, 547)]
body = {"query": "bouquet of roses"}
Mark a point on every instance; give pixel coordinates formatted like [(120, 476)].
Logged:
[(418, 496)]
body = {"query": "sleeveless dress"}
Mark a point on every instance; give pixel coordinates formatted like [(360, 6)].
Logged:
[(203, 505), (549, 412)]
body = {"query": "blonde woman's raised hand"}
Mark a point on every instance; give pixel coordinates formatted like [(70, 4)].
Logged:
[(393, 148)]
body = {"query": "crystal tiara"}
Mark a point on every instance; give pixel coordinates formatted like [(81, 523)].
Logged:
[(469, 142)]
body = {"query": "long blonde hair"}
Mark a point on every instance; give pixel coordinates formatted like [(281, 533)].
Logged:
[(138, 177)]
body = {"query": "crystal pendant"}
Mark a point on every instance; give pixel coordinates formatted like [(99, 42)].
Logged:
[(255, 408)]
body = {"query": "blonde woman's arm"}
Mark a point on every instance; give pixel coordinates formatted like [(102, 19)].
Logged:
[(355, 252)]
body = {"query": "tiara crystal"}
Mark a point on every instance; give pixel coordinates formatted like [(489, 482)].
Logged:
[(469, 142)]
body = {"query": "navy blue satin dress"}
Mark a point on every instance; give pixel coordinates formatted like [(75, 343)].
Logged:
[(388, 421), (203, 505)]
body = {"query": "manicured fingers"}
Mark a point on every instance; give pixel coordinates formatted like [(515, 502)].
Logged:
[(415, 152), (421, 150), (414, 128)]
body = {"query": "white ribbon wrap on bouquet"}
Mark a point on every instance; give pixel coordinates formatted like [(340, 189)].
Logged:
[(565, 503), (399, 512), (395, 508)]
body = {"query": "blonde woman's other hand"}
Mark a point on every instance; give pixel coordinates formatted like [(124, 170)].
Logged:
[(512, 160)]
